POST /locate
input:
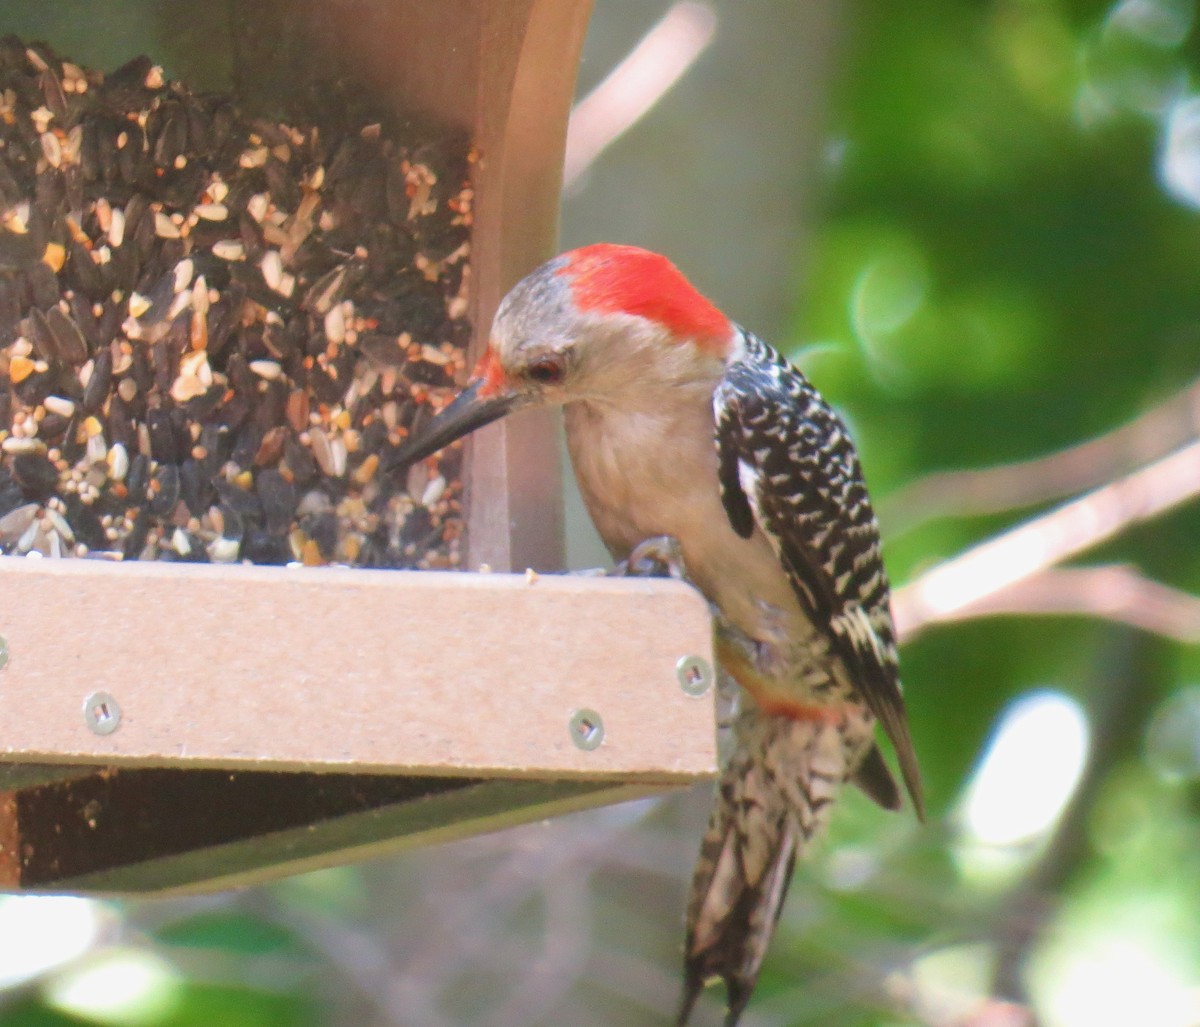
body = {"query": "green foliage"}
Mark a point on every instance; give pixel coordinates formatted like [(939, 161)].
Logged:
[(33, 1013), (232, 931), (204, 1005), (1000, 273), (988, 262)]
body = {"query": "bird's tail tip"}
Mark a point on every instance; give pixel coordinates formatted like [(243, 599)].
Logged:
[(732, 915), (687, 1002), (737, 994)]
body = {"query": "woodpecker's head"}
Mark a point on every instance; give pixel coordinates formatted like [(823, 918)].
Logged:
[(605, 324)]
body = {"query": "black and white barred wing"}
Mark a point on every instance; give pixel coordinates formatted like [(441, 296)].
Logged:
[(789, 469)]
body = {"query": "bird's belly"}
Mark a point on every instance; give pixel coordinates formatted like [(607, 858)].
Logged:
[(765, 640), (632, 494)]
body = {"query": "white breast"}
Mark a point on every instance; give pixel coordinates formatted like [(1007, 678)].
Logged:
[(647, 472)]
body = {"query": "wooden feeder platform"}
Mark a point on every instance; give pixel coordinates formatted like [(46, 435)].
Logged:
[(182, 727), (204, 725)]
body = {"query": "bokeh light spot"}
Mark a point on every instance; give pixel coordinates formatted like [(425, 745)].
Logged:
[(124, 987), (1164, 23), (1115, 979), (1179, 166), (889, 291), (1029, 770), (1173, 736), (40, 932)]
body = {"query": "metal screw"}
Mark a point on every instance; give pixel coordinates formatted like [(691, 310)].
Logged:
[(3, 652), (101, 713), (694, 675), (587, 729)]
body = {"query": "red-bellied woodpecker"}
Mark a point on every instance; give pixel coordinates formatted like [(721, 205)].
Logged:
[(681, 423)]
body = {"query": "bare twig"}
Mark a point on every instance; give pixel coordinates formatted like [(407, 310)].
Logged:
[(985, 570), (636, 84), (1118, 593), (1084, 466)]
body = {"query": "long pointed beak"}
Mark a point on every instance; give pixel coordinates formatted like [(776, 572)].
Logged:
[(465, 414)]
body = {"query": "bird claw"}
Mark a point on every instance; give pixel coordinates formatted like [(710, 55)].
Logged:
[(657, 557)]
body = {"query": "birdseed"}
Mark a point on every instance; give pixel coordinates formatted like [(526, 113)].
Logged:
[(216, 329)]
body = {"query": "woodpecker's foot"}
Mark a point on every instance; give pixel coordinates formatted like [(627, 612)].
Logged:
[(657, 557)]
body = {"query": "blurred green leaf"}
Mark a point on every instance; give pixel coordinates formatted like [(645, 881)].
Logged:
[(233, 931)]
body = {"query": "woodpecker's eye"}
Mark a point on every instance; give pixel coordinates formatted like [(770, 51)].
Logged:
[(546, 371)]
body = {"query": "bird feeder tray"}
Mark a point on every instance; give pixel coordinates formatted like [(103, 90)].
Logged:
[(176, 726), (225, 739)]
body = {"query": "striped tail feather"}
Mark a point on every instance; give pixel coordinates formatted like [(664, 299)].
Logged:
[(772, 797)]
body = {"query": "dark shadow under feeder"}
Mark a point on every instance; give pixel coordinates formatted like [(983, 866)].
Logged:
[(219, 313)]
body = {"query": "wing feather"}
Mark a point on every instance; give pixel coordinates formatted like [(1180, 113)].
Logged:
[(780, 442), (737, 505)]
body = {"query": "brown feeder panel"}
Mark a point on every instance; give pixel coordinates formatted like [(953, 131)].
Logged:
[(220, 741)]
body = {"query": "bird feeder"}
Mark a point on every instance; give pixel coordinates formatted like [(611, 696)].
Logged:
[(215, 324)]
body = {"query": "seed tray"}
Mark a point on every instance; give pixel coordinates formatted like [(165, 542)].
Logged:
[(570, 687)]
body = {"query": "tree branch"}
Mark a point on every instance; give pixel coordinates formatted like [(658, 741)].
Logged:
[(635, 85), (981, 572), (1117, 592), (1086, 465)]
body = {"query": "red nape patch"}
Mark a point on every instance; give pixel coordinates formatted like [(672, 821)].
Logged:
[(491, 375), (611, 279)]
